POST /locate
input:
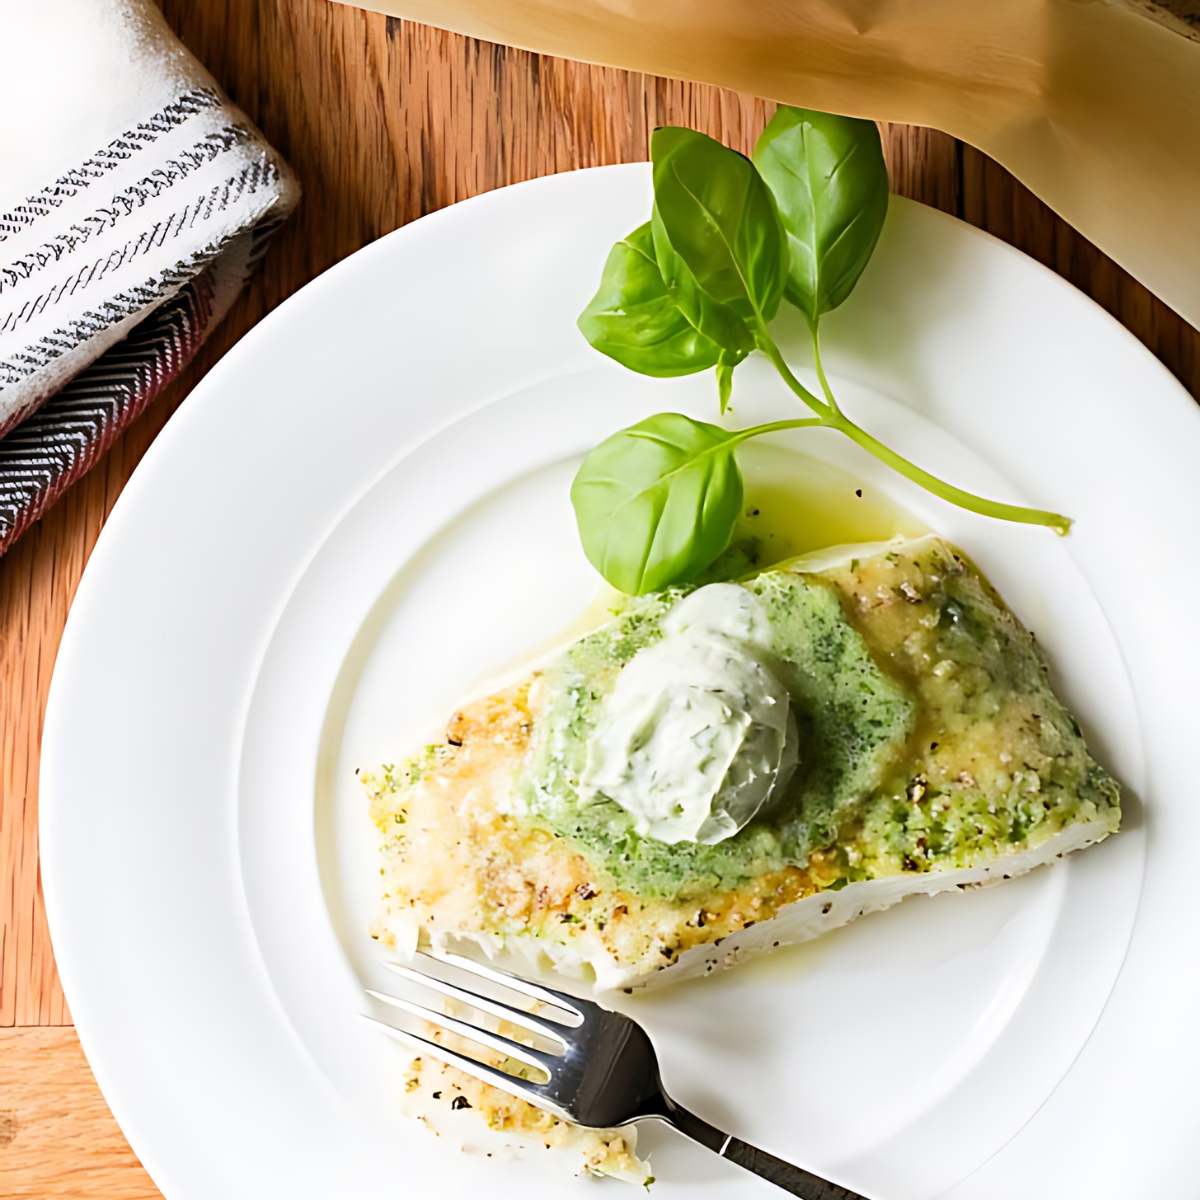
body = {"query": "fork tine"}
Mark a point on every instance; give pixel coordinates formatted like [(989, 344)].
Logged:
[(531, 1093), (537, 991), (496, 1008), (485, 1037)]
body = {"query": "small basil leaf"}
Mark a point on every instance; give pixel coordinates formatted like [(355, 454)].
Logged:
[(632, 319), (656, 502), (829, 180), (725, 382), (716, 217)]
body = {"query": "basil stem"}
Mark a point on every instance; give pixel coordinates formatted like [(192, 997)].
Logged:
[(819, 367), (833, 418), (947, 491)]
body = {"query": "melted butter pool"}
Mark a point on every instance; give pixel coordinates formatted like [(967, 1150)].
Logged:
[(795, 504)]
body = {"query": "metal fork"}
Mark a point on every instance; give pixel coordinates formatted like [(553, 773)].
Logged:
[(602, 1071)]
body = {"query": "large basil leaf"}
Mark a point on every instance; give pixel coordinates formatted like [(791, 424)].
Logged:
[(829, 180), (632, 318), (717, 236), (656, 503)]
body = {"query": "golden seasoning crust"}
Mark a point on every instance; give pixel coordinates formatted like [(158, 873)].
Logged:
[(453, 855), (970, 741)]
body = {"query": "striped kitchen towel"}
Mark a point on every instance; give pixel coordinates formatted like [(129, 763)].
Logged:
[(135, 200)]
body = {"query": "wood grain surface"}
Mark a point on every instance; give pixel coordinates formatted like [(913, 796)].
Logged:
[(383, 121)]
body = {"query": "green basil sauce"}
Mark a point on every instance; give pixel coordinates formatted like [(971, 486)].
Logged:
[(854, 722)]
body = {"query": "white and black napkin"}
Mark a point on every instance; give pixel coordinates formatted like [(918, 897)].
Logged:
[(135, 200)]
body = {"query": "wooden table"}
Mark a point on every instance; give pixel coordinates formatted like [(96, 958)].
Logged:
[(383, 121)]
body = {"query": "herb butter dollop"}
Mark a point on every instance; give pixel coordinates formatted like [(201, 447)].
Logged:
[(697, 734)]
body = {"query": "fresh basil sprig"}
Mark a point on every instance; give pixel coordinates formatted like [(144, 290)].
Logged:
[(696, 288)]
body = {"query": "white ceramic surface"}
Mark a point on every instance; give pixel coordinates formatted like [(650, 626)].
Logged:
[(362, 512)]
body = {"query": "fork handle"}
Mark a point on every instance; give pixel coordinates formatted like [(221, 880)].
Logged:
[(795, 1180)]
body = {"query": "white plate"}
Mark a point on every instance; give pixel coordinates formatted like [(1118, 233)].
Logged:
[(362, 511)]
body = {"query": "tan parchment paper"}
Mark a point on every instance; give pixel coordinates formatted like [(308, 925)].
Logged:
[(1094, 104)]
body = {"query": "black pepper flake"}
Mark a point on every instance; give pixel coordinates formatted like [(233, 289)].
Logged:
[(827, 909), (437, 1095), (585, 891), (357, 769), (754, 512), (627, 991), (666, 951), (460, 1102), (858, 492), (932, 746), (453, 741)]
